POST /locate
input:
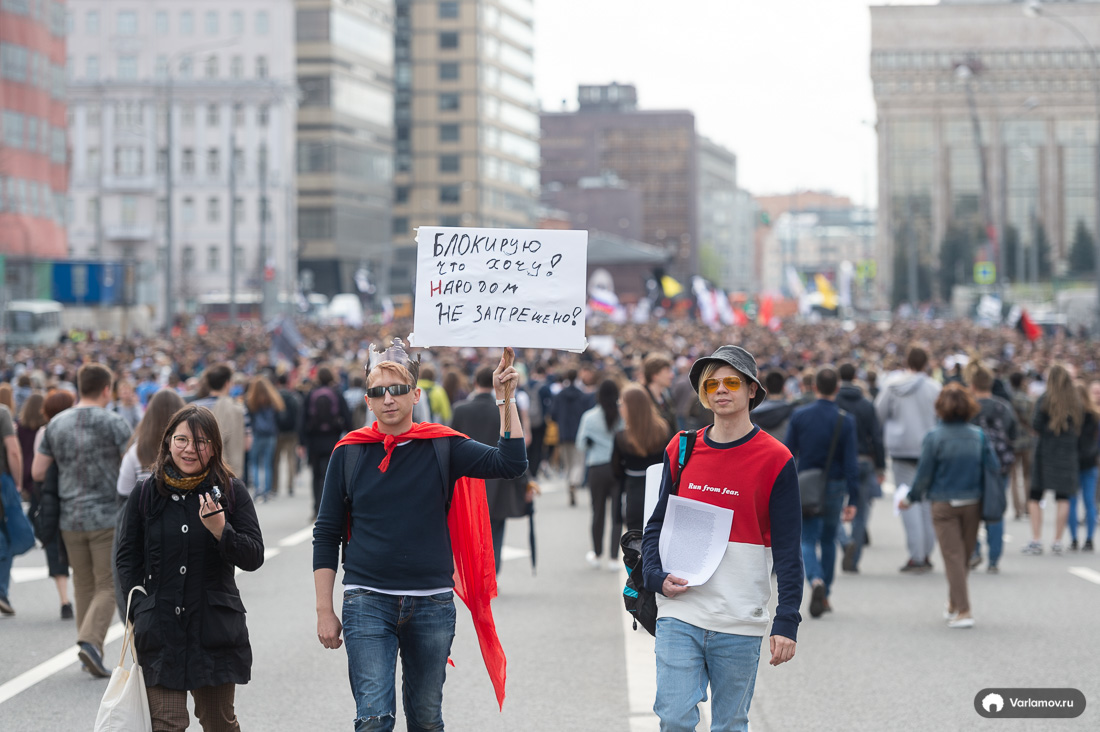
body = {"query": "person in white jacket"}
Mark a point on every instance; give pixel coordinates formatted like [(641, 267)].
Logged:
[(906, 407)]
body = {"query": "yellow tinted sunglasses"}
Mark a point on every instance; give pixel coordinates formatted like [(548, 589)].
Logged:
[(732, 383)]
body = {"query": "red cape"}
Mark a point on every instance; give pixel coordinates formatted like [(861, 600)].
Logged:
[(471, 543)]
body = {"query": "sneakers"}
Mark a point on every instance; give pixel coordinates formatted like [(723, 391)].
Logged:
[(592, 559), (915, 567), (927, 564), (1033, 548), (1088, 546), (1073, 546), (992, 569), (975, 561), (67, 611), (93, 661), (948, 613), (5, 606), (1057, 549), (957, 622), (817, 600), (848, 563), (613, 565)]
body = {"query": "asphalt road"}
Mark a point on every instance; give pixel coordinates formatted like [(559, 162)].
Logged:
[(883, 660)]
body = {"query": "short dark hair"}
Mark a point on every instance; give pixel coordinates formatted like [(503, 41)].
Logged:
[(324, 376), (427, 371), (916, 359), (774, 382), (1016, 378), (654, 364), (484, 377), (92, 379), (570, 375), (826, 381), (847, 372), (955, 404), (217, 376), (981, 378)]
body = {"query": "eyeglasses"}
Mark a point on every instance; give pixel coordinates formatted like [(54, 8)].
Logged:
[(396, 389), (182, 441), (732, 383)]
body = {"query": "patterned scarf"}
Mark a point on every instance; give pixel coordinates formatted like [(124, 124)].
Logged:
[(176, 479)]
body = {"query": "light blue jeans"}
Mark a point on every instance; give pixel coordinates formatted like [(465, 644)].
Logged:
[(261, 461), (688, 658), (1088, 495), (378, 626)]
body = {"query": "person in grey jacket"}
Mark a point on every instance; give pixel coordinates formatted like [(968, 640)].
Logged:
[(906, 408), (596, 436)]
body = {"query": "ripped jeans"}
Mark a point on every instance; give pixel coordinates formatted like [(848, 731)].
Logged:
[(378, 626)]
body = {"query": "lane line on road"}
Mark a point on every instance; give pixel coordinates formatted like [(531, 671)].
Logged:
[(1090, 575), (46, 669), (29, 574), (297, 538)]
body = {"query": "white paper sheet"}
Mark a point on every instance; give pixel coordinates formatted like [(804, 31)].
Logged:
[(900, 494), (694, 538), (652, 489)]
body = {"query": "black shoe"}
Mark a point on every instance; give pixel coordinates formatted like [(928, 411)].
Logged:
[(817, 601), (572, 496), (5, 606), (93, 660), (67, 611), (912, 567), (866, 538), (1073, 546), (848, 563), (1088, 545), (927, 565)]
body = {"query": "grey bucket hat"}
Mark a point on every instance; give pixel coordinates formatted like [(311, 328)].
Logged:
[(739, 359)]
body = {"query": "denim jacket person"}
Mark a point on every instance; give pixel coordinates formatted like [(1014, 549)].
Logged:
[(952, 458)]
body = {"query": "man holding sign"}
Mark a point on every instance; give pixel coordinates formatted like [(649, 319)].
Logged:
[(410, 540), (711, 630)]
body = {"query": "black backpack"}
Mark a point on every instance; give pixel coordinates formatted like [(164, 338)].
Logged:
[(322, 412), (287, 420), (640, 602)]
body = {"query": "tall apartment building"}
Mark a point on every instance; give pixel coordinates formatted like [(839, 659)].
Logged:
[(1008, 83), (345, 72), (172, 94), (466, 120), (653, 151), (34, 176), (727, 218)]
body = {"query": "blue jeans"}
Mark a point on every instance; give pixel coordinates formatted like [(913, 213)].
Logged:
[(821, 530), (261, 459), (868, 483), (6, 560), (994, 536), (1088, 495), (376, 628), (688, 658)]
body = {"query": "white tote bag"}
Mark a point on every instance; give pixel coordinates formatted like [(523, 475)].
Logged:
[(125, 706)]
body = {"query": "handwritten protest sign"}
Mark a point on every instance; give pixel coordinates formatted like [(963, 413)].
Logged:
[(500, 287)]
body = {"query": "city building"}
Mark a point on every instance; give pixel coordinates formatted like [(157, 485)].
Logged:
[(465, 118), (345, 70), (34, 178), (181, 136), (652, 151), (987, 133), (727, 217)]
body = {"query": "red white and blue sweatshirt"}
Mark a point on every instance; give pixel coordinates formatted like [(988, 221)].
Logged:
[(756, 478)]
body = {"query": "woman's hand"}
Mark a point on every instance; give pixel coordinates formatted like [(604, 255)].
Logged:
[(214, 524)]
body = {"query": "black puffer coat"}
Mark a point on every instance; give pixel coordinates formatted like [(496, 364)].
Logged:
[(189, 631)]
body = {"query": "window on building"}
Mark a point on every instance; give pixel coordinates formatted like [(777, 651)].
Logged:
[(129, 210), (13, 62), (186, 67), (236, 67), (261, 67), (213, 210), (238, 115), (126, 23), (450, 220), (187, 161), (93, 211), (92, 115), (188, 210), (213, 162), (261, 22), (448, 71), (161, 67), (92, 160), (448, 133), (236, 23), (401, 194), (449, 163), (265, 209), (315, 223), (261, 160), (162, 210), (402, 162), (448, 9), (211, 22), (238, 210), (450, 194), (161, 23), (188, 259), (263, 114), (91, 67), (400, 225), (91, 22), (448, 39), (449, 101), (212, 67), (128, 160), (187, 115), (127, 67), (213, 115), (238, 161), (187, 23), (162, 160), (213, 258)]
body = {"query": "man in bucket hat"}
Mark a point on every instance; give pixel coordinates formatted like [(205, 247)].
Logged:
[(711, 632)]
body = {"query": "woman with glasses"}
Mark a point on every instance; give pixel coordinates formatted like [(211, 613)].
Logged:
[(710, 633), (187, 527)]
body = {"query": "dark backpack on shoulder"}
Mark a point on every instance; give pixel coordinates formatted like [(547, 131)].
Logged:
[(287, 420), (640, 602), (323, 411)]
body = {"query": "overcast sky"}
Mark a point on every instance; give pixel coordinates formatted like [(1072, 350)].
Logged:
[(782, 83)]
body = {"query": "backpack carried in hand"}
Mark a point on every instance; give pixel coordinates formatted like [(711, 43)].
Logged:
[(323, 411), (640, 602)]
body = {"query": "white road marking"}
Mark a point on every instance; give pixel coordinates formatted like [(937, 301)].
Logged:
[(1090, 575), (44, 670), (297, 538), (511, 552), (29, 574), (269, 552)]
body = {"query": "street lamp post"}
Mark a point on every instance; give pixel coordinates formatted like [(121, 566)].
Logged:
[(1035, 9)]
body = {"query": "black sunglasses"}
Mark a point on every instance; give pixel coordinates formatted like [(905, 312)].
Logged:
[(396, 389)]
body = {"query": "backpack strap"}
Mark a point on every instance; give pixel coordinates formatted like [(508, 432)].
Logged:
[(687, 444)]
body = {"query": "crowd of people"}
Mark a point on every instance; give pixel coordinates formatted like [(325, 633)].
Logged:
[(931, 408)]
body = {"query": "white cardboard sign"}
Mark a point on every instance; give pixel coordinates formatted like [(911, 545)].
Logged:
[(500, 287)]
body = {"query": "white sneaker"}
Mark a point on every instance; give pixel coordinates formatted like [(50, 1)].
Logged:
[(949, 615), (960, 623), (592, 559), (613, 565)]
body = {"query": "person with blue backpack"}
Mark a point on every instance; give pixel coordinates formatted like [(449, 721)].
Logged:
[(711, 633)]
